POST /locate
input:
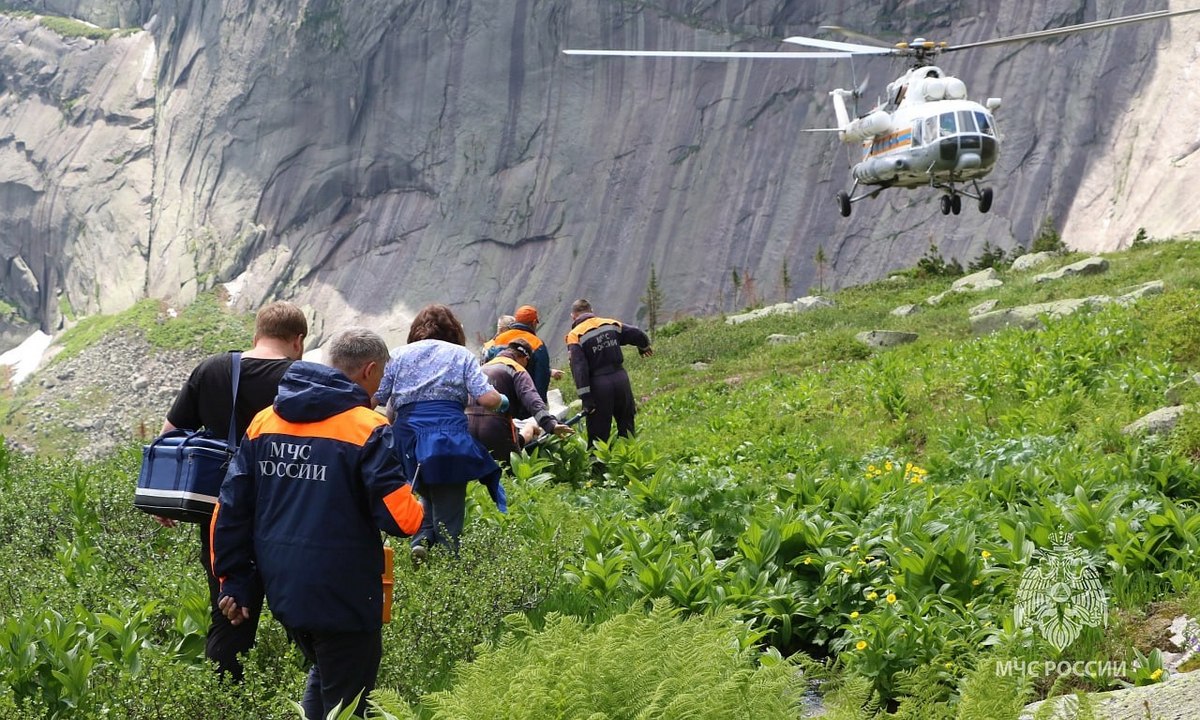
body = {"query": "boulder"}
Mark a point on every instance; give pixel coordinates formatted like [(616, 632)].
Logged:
[(1029, 316), (1088, 266), (885, 338), (1131, 295), (1178, 698), (1032, 260), (981, 308), (1157, 422), (988, 277), (780, 339), (906, 310)]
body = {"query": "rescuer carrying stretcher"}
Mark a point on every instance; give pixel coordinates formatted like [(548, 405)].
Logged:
[(508, 375)]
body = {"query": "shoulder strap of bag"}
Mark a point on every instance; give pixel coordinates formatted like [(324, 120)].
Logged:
[(237, 373)]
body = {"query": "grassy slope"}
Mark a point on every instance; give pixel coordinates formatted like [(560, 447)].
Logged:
[(738, 466)]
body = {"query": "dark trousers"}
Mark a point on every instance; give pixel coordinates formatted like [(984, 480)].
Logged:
[(495, 432), (344, 667), (444, 505), (226, 641), (614, 401)]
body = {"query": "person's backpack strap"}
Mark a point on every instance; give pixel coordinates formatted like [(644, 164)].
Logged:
[(237, 373)]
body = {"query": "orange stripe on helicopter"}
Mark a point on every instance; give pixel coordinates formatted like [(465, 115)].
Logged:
[(901, 138)]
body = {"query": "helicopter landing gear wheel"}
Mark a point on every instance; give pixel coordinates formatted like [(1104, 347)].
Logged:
[(843, 200), (956, 204), (945, 204), (985, 200)]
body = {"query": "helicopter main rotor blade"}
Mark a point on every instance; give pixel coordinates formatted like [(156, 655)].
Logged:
[(704, 54), (869, 40), (1055, 32), (852, 48)]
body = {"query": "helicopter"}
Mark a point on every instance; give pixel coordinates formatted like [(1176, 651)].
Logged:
[(927, 132)]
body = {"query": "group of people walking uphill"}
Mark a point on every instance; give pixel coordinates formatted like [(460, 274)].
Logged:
[(332, 454)]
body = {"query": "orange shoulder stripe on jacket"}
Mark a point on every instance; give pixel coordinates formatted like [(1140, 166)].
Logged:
[(352, 426), (501, 360), (508, 336), (405, 509), (587, 326)]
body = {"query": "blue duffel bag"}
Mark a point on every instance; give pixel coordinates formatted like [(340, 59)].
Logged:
[(181, 475)]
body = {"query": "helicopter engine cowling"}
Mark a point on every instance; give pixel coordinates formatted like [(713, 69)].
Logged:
[(879, 170), (860, 129)]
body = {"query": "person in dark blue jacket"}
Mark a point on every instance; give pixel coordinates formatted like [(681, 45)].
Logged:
[(598, 368), (314, 481)]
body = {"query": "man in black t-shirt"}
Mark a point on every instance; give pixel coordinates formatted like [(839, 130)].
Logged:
[(204, 402)]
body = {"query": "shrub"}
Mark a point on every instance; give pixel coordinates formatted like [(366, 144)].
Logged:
[(447, 606), (634, 665), (932, 264), (1047, 239)]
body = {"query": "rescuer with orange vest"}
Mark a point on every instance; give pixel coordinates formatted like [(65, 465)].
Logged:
[(496, 430), (597, 364), (525, 327)]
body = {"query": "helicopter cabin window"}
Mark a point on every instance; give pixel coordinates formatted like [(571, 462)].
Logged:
[(966, 121), (916, 133), (947, 123), (985, 124)]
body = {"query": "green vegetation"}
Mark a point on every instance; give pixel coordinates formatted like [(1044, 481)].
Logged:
[(818, 510), (1047, 239), (206, 324), (70, 28)]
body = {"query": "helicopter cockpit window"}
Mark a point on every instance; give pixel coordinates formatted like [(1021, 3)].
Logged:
[(931, 129), (966, 121), (985, 124), (916, 133), (947, 123)]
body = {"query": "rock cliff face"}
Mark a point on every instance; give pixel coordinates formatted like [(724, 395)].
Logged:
[(364, 158)]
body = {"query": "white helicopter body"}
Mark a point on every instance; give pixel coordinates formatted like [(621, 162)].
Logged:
[(935, 136)]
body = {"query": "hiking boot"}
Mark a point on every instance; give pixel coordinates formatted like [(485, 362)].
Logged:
[(419, 553)]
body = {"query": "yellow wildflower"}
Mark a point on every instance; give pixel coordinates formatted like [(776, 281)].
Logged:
[(891, 598), (975, 582), (1156, 675), (948, 665), (846, 571), (808, 561), (916, 480), (854, 615), (853, 548), (861, 645), (888, 466), (872, 596), (985, 554)]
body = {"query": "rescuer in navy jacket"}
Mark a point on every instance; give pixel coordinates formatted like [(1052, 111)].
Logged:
[(314, 481)]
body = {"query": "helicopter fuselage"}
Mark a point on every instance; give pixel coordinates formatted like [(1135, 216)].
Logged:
[(934, 143)]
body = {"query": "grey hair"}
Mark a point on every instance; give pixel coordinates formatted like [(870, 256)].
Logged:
[(354, 347), (504, 322)]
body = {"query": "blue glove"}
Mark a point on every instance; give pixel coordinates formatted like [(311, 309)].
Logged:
[(503, 404)]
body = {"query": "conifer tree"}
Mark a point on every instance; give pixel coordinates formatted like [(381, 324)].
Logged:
[(653, 300)]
